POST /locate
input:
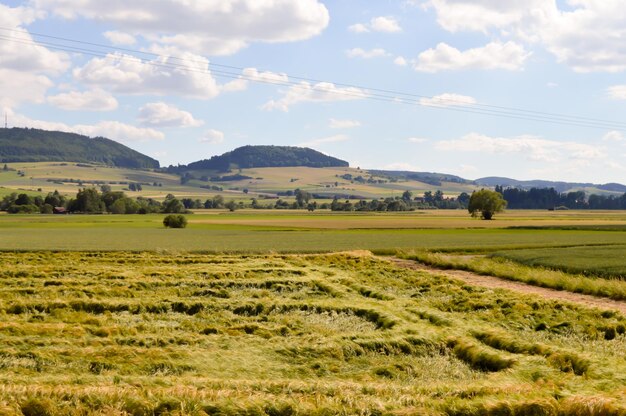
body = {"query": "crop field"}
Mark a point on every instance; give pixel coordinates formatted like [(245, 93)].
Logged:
[(193, 334), (264, 232), (114, 314), (439, 219), (608, 262)]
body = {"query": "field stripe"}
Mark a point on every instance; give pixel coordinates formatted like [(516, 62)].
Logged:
[(493, 282)]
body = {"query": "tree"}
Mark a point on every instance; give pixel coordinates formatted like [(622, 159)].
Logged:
[(55, 199), (487, 203), (175, 221), (173, 205), (88, 201), (231, 205), (463, 199), (118, 207), (302, 197)]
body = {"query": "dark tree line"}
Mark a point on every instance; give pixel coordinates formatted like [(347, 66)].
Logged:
[(89, 201), (549, 198), (406, 202)]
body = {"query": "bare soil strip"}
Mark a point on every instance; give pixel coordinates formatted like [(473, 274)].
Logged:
[(493, 282)]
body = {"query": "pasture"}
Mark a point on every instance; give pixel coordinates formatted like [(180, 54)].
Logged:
[(193, 334)]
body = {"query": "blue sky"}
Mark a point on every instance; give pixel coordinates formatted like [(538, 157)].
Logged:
[(179, 80)]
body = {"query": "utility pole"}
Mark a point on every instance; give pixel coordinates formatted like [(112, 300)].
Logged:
[(6, 120)]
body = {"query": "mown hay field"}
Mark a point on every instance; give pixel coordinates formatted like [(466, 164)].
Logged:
[(176, 333)]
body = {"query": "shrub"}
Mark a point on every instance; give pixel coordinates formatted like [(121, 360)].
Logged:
[(175, 221)]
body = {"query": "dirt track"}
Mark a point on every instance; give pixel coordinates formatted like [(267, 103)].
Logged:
[(498, 283)]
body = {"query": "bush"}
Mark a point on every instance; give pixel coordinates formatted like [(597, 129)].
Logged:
[(175, 221)]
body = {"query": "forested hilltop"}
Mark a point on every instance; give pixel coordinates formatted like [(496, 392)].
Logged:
[(265, 157), (34, 145)]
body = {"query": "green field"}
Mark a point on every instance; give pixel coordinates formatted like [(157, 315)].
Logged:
[(609, 262), (273, 231), (144, 334)]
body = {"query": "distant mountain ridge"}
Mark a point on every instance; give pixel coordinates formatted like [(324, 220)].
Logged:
[(35, 145), (263, 156), (559, 186)]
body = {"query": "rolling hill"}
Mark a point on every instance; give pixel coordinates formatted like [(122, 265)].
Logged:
[(34, 145), (41, 161), (247, 157)]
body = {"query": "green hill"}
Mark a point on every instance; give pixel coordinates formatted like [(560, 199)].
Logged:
[(34, 145), (247, 157)]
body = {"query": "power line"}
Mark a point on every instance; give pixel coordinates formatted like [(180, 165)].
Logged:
[(347, 90)]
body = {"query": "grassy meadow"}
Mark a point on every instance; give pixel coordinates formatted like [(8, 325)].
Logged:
[(194, 334)]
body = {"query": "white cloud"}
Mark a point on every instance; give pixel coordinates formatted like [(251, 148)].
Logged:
[(163, 115), (254, 75), (212, 136), (120, 38), (25, 65), (19, 87), (361, 53), (267, 77), (417, 140), (617, 92), (208, 27), (552, 85), (448, 100), (495, 55), (482, 15), (384, 24), (588, 38), (614, 136), (587, 35), (400, 61), (358, 28), (110, 129), (94, 100), (128, 75), (20, 52), (343, 124), (320, 92), (119, 131), (531, 147), (324, 140)]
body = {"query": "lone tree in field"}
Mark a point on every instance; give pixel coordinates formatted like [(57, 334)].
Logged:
[(487, 203), (175, 221)]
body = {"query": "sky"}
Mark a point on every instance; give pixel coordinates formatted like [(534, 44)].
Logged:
[(528, 89)]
